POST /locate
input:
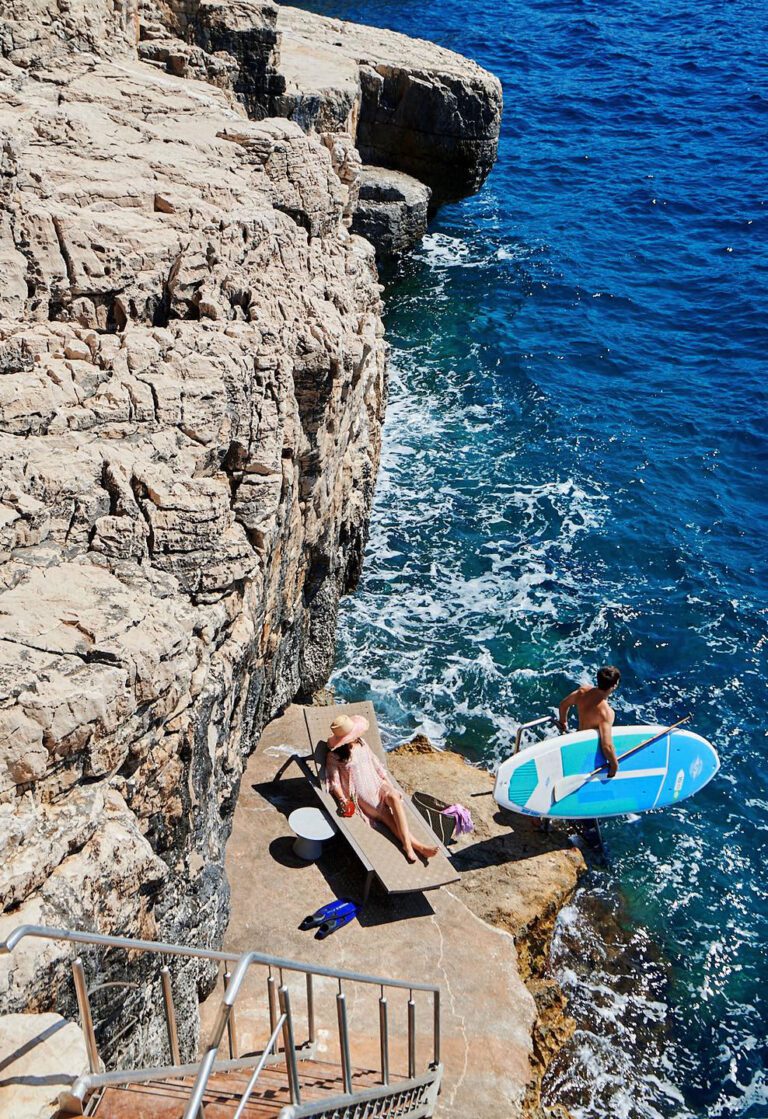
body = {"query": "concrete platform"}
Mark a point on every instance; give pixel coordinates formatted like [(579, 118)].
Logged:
[(487, 1012)]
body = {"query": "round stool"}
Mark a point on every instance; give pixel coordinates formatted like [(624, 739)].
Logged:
[(311, 827)]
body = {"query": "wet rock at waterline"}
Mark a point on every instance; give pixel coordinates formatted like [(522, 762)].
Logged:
[(391, 211)]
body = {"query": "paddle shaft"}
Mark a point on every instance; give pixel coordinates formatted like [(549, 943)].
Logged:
[(648, 741)]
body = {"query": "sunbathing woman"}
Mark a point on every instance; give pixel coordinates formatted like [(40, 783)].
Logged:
[(356, 776)]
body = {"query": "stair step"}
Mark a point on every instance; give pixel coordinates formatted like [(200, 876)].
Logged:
[(167, 1099)]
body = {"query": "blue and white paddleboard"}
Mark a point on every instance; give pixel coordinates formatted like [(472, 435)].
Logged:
[(666, 771)]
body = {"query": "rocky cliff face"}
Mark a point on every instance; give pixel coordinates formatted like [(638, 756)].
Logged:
[(191, 401), (401, 105), (191, 395), (418, 108)]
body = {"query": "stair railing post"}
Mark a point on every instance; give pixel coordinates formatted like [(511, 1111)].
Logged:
[(205, 1067), (289, 1046), (346, 1062), (234, 1046), (384, 1038), (170, 1016), (272, 996), (86, 1021), (411, 1037), (436, 1028), (310, 1009)]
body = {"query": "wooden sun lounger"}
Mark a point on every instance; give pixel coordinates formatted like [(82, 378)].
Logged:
[(381, 856)]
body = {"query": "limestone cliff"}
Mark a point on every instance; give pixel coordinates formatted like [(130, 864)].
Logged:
[(190, 411), (413, 107), (191, 395), (424, 120)]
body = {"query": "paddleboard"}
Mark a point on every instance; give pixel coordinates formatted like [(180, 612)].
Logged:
[(665, 772)]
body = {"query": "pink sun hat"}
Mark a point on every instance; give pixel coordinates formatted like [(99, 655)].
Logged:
[(347, 728)]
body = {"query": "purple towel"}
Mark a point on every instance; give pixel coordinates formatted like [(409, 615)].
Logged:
[(461, 816)]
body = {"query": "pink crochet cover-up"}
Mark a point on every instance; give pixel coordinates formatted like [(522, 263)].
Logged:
[(363, 777)]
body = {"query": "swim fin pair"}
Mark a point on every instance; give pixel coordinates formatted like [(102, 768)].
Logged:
[(330, 917)]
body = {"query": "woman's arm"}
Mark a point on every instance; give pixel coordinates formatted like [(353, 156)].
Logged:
[(380, 769), (332, 776)]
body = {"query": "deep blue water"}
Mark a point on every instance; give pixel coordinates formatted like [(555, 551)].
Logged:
[(574, 473)]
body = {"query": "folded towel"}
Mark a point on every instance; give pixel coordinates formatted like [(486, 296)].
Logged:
[(462, 817)]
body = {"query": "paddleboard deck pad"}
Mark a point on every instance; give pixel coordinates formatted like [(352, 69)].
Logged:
[(665, 772)]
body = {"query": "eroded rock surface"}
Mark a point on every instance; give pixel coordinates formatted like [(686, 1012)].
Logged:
[(191, 392), (29, 1043), (400, 104), (407, 104)]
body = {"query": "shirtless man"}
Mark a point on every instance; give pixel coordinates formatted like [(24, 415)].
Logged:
[(595, 712)]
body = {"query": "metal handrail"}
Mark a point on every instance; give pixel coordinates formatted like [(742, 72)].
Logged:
[(162, 949), (529, 726), (243, 963), (90, 1080), (259, 1067)]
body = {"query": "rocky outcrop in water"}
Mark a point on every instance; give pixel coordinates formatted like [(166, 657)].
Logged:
[(391, 210)]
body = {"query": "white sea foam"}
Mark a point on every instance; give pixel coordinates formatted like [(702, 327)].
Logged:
[(486, 588), (440, 250)]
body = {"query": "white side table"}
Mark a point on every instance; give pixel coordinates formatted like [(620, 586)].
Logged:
[(312, 827)]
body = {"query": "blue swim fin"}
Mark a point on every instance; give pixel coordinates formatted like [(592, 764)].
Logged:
[(336, 921), (326, 912)]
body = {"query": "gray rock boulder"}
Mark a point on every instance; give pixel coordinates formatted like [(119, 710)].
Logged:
[(422, 109), (391, 211)]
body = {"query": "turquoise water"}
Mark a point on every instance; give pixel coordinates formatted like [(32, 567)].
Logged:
[(574, 473)]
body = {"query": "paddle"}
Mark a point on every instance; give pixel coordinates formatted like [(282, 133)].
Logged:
[(567, 785)]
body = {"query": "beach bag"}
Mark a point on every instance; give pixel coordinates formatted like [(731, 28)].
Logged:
[(432, 810)]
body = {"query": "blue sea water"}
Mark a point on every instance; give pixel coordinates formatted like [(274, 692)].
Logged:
[(574, 473)]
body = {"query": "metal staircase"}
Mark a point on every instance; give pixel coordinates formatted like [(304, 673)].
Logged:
[(278, 1079)]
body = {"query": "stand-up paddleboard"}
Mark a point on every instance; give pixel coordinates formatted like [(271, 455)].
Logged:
[(667, 770)]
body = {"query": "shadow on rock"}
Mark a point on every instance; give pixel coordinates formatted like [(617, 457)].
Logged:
[(341, 870)]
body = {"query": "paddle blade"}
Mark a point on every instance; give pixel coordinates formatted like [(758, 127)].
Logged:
[(567, 785)]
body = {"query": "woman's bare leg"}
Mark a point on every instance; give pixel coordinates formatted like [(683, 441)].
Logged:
[(392, 813), (386, 816), (412, 846)]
